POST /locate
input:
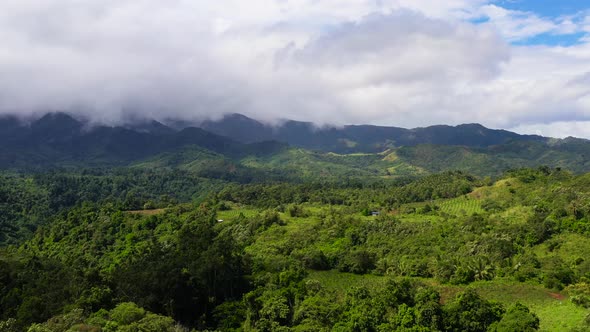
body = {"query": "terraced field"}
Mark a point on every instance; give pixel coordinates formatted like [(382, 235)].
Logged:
[(463, 205)]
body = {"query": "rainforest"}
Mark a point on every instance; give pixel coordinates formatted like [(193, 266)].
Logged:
[(152, 248), (294, 166)]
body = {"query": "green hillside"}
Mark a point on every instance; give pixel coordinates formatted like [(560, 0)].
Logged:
[(301, 164), (497, 159), (57, 141), (149, 228), (447, 252)]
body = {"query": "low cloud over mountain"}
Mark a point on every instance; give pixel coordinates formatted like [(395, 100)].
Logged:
[(402, 63)]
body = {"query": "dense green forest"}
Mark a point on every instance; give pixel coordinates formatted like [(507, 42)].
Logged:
[(173, 250)]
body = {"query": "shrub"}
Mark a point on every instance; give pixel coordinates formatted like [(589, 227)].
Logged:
[(313, 259), (358, 261), (579, 294), (517, 318), (127, 313)]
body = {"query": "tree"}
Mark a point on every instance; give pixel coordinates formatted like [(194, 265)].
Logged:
[(517, 318), (470, 313)]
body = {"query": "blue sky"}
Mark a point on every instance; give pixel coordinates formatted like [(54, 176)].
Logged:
[(548, 8), (552, 39), (567, 15)]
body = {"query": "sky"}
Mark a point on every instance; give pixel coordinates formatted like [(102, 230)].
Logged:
[(521, 65)]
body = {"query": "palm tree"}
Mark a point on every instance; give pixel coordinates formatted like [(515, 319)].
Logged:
[(482, 268)]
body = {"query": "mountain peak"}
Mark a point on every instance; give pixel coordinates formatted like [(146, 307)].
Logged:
[(56, 117), (472, 126), (238, 116), (56, 125), (239, 127), (151, 126)]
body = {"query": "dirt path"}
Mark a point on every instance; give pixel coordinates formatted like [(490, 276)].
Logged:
[(557, 296)]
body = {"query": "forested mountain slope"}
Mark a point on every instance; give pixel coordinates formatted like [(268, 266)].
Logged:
[(58, 139), (447, 252), (360, 138), (254, 151)]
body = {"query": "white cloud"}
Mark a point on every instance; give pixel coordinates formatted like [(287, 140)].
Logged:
[(402, 63), (559, 129), (390, 62)]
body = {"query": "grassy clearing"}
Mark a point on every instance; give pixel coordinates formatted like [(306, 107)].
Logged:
[(461, 205), (400, 168), (235, 213), (561, 316), (515, 215), (569, 247), (498, 191), (295, 224), (555, 311), (341, 282), (420, 218)]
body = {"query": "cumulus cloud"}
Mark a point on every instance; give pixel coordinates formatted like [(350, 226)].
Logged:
[(395, 66), (558, 129), (389, 62)]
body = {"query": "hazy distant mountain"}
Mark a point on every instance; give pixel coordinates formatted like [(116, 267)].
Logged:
[(58, 139), (240, 147), (150, 126), (360, 138), (240, 128)]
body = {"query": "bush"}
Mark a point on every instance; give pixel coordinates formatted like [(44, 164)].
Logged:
[(313, 259), (579, 294), (518, 318), (296, 211), (469, 312), (149, 205), (150, 323), (127, 313), (9, 325), (270, 218), (358, 261)]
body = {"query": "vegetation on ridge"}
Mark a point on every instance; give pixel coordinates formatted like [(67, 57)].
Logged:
[(447, 252), (186, 230)]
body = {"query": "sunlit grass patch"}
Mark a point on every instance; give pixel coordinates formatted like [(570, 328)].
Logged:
[(567, 246), (461, 205), (555, 311), (235, 213)]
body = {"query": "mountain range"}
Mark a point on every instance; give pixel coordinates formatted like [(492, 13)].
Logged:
[(237, 144), (359, 138)]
